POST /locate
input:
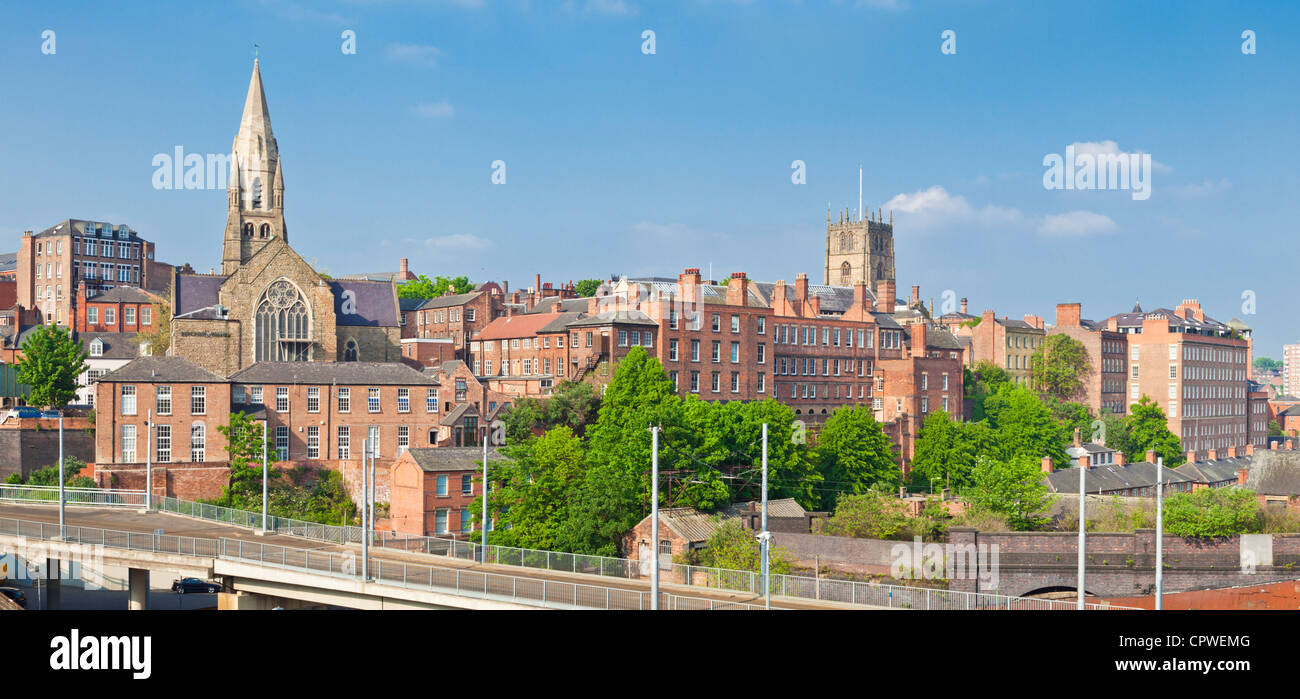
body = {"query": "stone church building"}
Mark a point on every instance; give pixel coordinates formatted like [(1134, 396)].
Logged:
[(268, 304), (859, 250)]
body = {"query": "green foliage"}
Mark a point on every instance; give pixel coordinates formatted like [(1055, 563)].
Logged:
[(244, 445), (423, 287), (531, 489), (1117, 433), (50, 365), (1014, 489), (1212, 512), (853, 453), (1072, 416), (587, 288), (1024, 427), (1148, 429), (49, 475), (160, 338), (323, 499), (1274, 429), (866, 516), (14, 479), (1266, 364), (980, 382), (735, 548), (574, 405), (1059, 366), (614, 494), (946, 450)]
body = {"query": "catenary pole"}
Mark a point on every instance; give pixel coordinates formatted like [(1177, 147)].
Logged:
[(1160, 532), (1083, 516), (654, 518), (483, 527), (148, 461), (765, 536), (63, 531), (365, 488), (266, 471)]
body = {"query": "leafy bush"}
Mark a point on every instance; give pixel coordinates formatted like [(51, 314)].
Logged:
[(735, 548), (866, 516), (1212, 512)]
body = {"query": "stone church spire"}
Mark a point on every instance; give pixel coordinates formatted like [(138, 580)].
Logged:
[(255, 212)]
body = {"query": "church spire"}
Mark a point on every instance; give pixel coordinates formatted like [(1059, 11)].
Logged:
[(257, 206)]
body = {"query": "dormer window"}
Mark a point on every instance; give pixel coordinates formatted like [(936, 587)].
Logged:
[(97, 348)]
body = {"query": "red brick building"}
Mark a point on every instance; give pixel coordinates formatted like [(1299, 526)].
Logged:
[(433, 491), (118, 310), (1107, 354)]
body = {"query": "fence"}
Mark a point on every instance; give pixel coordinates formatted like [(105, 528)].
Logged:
[(797, 586), (465, 583), (49, 494)]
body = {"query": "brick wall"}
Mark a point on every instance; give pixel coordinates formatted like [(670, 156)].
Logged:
[(189, 481), (24, 448)]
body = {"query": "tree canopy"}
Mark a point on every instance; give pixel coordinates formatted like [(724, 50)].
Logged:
[(1059, 367), (854, 454), (1148, 429), (946, 450), (587, 288), (1014, 488), (422, 287), (50, 365)]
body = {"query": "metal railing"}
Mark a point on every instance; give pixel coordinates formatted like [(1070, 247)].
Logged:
[(464, 583), (49, 494), (795, 586)]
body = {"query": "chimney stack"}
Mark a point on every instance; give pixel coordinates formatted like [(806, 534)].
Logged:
[(1241, 476), (801, 292), (1119, 458), (963, 304), (1069, 315), (919, 339), (1212, 455), (1151, 456), (1084, 462), (1250, 449), (1047, 464), (1191, 457), (916, 294), (403, 269), (885, 300), (737, 289)]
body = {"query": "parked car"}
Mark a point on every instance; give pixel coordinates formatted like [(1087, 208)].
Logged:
[(51, 413), (193, 585), (22, 411), (16, 595)]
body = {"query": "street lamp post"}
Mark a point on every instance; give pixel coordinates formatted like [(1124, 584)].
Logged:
[(265, 473), (1083, 517), (1160, 532), (766, 536), (483, 527), (63, 531), (365, 489), (148, 461)]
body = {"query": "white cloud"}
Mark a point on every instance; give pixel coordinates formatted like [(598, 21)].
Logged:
[(936, 208), (415, 54), (1075, 224), (1203, 189), (1112, 148), (436, 110), (457, 242)]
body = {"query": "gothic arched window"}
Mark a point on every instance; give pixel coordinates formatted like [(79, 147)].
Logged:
[(283, 325), (257, 192), (265, 230), (350, 351), (248, 230), (846, 273), (844, 242)]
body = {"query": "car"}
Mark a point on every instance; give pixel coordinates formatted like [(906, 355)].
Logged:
[(16, 595), (23, 411), (193, 585)]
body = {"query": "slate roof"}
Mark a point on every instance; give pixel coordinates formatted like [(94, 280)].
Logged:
[(8, 261), (695, 526), (196, 291), (409, 304), (566, 305), (77, 226), (1012, 323), (449, 300), (1275, 473), (615, 317), (116, 345), (347, 373), (125, 294), (561, 322), (376, 303), (1176, 321), (162, 369), (1216, 471), (938, 338), (438, 459), (1107, 479)]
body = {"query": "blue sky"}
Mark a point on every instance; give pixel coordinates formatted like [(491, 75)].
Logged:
[(619, 162)]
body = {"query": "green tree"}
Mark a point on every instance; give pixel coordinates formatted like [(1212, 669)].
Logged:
[(853, 453), (587, 288), (1274, 429), (575, 405), (1212, 512), (1059, 366), (1116, 433), (1266, 364), (1072, 416), (422, 287), (244, 445), (1014, 488), (981, 381), (732, 547), (49, 475), (50, 365), (614, 494), (946, 450), (1024, 426), (532, 487), (1149, 429)]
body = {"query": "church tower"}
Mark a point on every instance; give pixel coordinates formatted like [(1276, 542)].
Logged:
[(859, 249), (255, 191)]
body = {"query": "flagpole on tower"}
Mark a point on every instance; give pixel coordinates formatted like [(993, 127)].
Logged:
[(859, 191)]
